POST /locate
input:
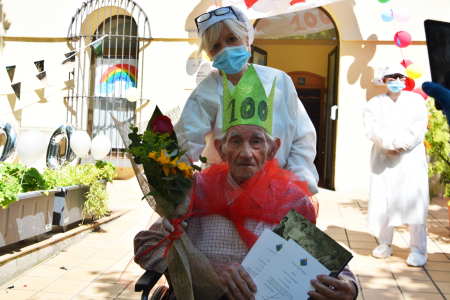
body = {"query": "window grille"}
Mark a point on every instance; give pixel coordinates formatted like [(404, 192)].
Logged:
[(99, 80)]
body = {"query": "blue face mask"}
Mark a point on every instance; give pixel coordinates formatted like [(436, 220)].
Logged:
[(396, 86), (231, 60)]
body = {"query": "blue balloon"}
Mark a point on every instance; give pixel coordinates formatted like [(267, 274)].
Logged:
[(387, 15)]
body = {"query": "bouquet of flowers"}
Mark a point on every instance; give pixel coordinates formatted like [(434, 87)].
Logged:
[(160, 157)]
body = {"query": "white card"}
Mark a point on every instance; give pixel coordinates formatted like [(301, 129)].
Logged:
[(266, 247), (289, 274)]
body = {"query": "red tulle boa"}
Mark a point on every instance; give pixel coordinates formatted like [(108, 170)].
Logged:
[(266, 197)]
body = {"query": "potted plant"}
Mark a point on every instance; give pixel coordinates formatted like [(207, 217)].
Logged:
[(26, 204), (438, 149), (82, 191)]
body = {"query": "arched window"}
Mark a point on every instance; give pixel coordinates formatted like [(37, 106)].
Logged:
[(107, 35)]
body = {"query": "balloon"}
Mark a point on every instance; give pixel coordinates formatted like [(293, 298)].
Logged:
[(80, 142), (383, 1), (401, 14), (132, 94), (100, 146), (414, 71), (406, 63), (402, 39), (410, 84), (31, 146), (421, 93), (387, 15)]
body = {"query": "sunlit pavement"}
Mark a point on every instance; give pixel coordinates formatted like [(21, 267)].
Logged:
[(93, 265)]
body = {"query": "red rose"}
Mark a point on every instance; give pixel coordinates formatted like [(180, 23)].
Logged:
[(162, 124)]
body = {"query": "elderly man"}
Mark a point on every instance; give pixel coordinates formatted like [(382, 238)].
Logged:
[(396, 122), (237, 199)]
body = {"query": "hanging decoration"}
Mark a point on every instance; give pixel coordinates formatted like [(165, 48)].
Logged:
[(100, 146), (402, 39), (132, 94), (387, 15), (414, 71), (421, 93), (401, 15), (410, 84)]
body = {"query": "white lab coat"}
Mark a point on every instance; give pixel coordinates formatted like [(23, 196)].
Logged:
[(202, 118), (399, 185)]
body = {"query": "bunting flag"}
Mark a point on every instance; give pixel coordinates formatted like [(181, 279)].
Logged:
[(256, 9), (11, 70), (16, 89), (39, 65), (43, 78), (51, 72), (98, 48), (70, 62)]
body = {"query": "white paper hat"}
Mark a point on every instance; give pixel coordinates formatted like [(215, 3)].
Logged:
[(394, 69), (240, 16)]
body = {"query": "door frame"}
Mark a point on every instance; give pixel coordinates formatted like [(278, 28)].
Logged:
[(314, 81)]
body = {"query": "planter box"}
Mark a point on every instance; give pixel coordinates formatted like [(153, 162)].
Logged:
[(31, 216), (69, 202)]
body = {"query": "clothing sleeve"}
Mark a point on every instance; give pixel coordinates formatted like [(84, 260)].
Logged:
[(144, 240), (198, 118), (303, 149), (373, 129), (349, 275), (415, 134)]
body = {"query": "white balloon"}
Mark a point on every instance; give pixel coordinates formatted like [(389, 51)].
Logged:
[(132, 94), (80, 142), (31, 146), (100, 146)]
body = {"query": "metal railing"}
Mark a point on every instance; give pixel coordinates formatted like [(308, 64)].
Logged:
[(89, 101)]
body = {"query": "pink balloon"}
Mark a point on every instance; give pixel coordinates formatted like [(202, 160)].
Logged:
[(405, 62), (421, 93), (401, 14), (402, 39)]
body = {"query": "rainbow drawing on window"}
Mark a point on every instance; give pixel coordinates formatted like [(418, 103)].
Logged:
[(119, 73)]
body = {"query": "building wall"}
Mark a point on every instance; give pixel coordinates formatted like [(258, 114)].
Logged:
[(38, 29)]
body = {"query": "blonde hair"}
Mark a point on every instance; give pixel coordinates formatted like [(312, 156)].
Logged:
[(212, 33)]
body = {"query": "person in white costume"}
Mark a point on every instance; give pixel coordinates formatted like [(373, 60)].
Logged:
[(226, 35), (396, 122)]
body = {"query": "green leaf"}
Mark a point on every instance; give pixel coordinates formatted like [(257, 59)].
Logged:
[(196, 167), (152, 193), (203, 159), (171, 176), (174, 152)]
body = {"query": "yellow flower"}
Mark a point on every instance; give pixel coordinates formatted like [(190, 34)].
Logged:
[(152, 155), (174, 162), (185, 169), (163, 159)]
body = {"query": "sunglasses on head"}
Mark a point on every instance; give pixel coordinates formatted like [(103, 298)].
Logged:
[(218, 12), (396, 76)]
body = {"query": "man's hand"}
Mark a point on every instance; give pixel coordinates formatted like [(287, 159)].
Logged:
[(392, 153), (167, 227), (400, 146), (344, 289), (235, 281)]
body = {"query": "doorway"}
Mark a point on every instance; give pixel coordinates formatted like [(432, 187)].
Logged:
[(311, 93), (305, 45)]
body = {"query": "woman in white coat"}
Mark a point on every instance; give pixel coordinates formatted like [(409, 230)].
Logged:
[(226, 35), (396, 122)]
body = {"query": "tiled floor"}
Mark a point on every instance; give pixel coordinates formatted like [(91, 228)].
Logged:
[(92, 266)]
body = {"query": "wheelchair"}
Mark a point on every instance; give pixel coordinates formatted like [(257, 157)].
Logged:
[(147, 282)]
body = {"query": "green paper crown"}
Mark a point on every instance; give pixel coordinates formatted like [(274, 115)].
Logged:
[(248, 105)]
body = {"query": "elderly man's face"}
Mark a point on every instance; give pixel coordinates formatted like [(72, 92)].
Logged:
[(246, 151)]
